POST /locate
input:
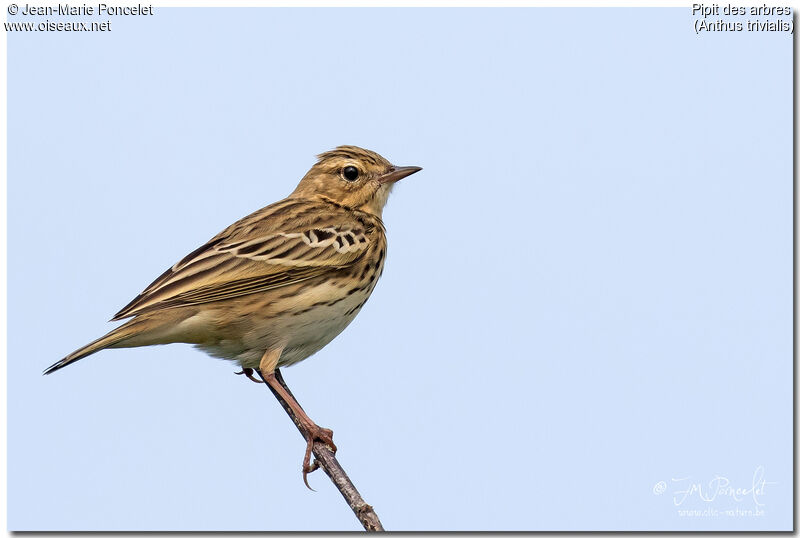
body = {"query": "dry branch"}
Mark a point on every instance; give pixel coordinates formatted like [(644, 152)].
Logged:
[(327, 460)]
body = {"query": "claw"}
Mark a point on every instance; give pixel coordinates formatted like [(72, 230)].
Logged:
[(249, 373), (309, 467), (321, 434)]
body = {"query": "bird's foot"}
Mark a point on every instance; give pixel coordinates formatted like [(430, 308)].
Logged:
[(315, 434), (249, 373)]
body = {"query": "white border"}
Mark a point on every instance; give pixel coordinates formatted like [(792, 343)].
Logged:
[(245, 3)]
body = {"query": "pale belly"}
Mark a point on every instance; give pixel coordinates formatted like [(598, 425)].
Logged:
[(300, 329)]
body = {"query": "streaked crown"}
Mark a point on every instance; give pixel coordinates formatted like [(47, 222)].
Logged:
[(352, 177)]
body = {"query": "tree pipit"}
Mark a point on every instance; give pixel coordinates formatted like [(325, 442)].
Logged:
[(278, 285)]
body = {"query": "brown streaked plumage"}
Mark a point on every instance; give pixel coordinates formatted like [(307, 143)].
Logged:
[(278, 285)]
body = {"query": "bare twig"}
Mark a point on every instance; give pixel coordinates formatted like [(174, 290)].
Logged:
[(327, 460)]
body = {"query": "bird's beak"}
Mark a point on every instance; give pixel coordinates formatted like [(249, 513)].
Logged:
[(396, 173)]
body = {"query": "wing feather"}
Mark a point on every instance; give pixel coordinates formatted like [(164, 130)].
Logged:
[(282, 244)]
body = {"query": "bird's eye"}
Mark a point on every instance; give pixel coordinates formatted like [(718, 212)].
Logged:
[(350, 173)]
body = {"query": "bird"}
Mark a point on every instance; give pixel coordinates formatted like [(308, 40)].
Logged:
[(276, 286)]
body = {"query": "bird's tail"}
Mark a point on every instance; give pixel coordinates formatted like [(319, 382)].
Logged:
[(113, 339)]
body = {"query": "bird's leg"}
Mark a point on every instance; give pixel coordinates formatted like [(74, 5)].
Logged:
[(311, 432), (249, 373), (314, 464)]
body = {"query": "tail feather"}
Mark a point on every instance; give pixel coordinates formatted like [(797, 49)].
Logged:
[(116, 336)]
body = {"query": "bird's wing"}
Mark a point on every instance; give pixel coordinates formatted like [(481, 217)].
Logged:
[(282, 244)]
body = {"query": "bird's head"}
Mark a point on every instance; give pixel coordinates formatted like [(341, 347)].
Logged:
[(352, 177)]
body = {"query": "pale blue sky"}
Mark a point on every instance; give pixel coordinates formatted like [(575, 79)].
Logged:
[(588, 289)]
